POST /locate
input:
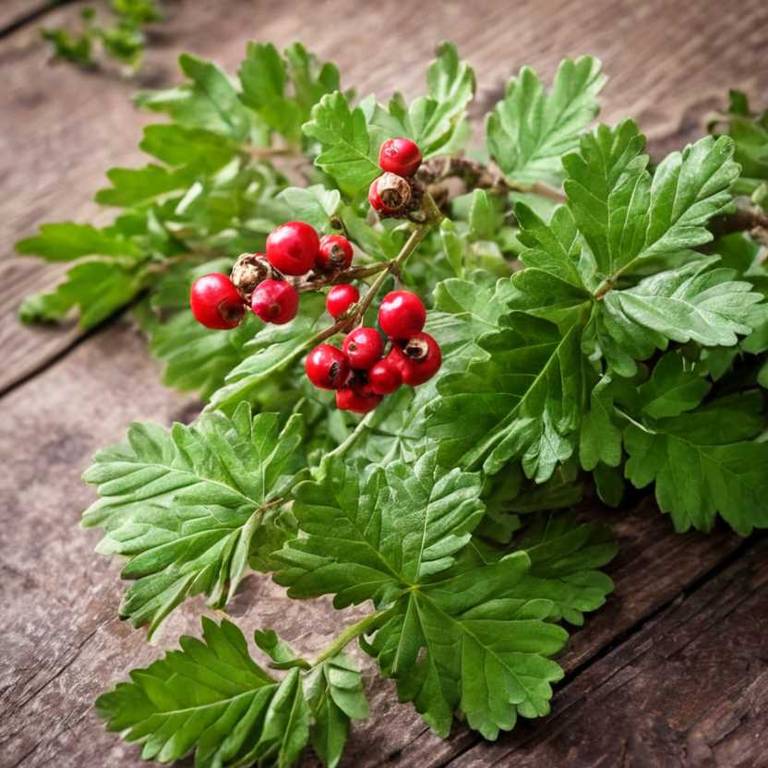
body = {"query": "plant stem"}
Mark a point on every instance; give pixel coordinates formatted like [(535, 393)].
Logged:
[(353, 631)]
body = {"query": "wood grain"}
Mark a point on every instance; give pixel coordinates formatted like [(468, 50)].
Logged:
[(688, 690), (670, 63)]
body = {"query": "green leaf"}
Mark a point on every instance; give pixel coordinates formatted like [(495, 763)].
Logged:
[(209, 101), (67, 241), (195, 357), (263, 77), (210, 697), (485, 642), (98, 288), (705, 462), (530, 129), (675, 386), (523, 401), (434, 121), (369, 538), (186, 506), (484, 216), (134, 186), (348, 152), (315, 205), (192, 148), (335, 694), (694, 302), (600, 438), (553, 248), (271, 352), (565, 556), (628, 217)]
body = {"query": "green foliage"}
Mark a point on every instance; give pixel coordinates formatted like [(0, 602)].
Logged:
[(212, 698), (188, 507), (121, 40), (612, 337), (530, 130)]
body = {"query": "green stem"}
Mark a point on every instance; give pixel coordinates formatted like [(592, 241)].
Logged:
[(353, 631)]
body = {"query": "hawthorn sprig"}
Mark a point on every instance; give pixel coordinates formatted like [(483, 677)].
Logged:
[(360, 372), (572, 315)]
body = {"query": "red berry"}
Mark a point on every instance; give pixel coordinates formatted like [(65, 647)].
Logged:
[(335, 253), (340, 298), (292, 248), (327, 367), (363, 347), (275, 301), (418, 359), (401, 314), (401, 156), (384, 377), (356, 399), (389, 193), (215, 302)]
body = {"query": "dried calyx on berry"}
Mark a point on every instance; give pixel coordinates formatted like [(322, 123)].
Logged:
[(390, 194), (248, 271)]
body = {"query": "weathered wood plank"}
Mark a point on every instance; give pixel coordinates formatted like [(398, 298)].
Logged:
[(670, 63), (688, 690), (653, 566), (16, 12)]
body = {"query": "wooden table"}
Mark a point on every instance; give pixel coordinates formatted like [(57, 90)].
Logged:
[(673, 671)]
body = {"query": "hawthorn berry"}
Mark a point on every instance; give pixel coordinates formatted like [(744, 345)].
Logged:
[(418, 359), (389, 193), (356, 399), (401, 314), (275, 301), (215, 302), (340, 298), (327, 367), (335, 253), (363, 347), (384, 377), (400, 155), (293, 248)]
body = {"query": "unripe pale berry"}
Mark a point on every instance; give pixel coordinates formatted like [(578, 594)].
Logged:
[(363, 347), (215, 302), (418, 359), (275, 301), (335, 253), (356, 399), (384, 377), (292, 248), (401, 314), (389, 193), (340, 298), (327, 367), (400, 155)]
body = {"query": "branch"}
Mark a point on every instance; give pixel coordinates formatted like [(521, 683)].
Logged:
[(750, 220), (434, 173)]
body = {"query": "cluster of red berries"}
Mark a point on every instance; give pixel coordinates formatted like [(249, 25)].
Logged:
[(293, 249), (366, 368), (394, 193), (363, 371)]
